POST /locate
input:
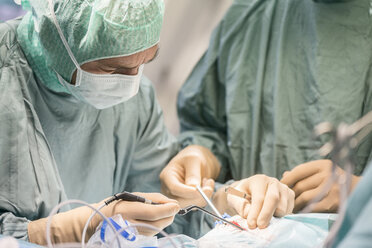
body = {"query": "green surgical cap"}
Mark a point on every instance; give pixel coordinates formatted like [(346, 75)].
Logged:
[(94, 29)]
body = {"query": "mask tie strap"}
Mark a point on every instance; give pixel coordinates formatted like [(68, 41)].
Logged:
[(64, 41)]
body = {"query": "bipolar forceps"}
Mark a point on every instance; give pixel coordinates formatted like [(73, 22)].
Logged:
[(187, 209)]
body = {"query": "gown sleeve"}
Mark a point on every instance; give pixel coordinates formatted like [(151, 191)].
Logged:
[(201, 106), (29, 181), (155, 146)]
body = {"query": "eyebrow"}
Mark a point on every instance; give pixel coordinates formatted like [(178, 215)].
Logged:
[(155, 56), (152, 59)]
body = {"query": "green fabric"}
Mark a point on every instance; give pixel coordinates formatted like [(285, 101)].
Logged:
[(94, 29), (53, 147), (275, 69), (356, 228)]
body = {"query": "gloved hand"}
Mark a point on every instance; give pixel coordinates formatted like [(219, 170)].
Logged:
[(68, 226), (308, 180), (194, 165), (268, 197)]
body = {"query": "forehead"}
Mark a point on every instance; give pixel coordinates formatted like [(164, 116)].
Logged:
[(130, 61)]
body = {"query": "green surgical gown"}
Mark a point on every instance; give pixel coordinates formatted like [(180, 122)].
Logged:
[(53, 147), (274, 70)]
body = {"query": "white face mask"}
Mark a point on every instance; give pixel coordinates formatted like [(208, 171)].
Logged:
[(104, 90), (99, 90)]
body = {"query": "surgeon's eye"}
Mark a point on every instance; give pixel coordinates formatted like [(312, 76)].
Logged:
[(127, 71)]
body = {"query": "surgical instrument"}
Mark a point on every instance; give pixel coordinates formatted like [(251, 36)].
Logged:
[(185, 210), (126, 196), (233, 191), (208, 202)]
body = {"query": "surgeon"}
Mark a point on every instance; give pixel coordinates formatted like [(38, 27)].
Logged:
[(273, 71), (77, 119)]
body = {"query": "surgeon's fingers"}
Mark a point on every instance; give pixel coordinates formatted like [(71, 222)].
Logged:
[(305, 197), (329, 202), (238, 204), (141, 211), (286, 201), (246, 208), (285, 173), (271, 202), (196, 199), (258, 191), (174, 185), (155, 197), (326, 205), (290, 201), (299, 173), (159, 224), (208, 187), (193, 171), (308, 183)]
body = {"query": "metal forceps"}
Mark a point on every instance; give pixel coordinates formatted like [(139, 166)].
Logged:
[(185, 210), (233, 191)]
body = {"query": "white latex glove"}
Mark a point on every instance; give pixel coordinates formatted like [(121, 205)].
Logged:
[(194, 165), (68, 226), (160, 216), (268, 197), (308, 180)]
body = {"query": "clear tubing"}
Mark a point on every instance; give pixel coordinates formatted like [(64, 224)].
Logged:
[(87, 224), (96, 210)]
